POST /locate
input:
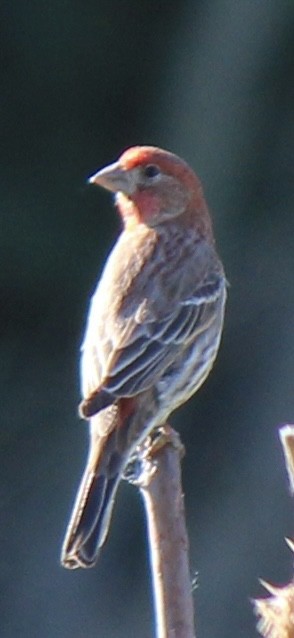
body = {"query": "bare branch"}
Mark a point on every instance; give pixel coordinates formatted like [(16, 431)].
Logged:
[(160, 486), (287, 440)]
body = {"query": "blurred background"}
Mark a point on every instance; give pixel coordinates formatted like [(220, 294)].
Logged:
[(211, 80)]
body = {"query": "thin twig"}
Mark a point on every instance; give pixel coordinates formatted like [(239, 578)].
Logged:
[(287, 440), (160, 486)]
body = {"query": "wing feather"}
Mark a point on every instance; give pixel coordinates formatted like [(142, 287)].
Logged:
[(130, 375), (133, 335)]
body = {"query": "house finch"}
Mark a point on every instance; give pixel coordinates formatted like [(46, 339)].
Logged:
[(153, 329)]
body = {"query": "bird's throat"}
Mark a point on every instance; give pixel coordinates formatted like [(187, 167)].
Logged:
[(127, 210)]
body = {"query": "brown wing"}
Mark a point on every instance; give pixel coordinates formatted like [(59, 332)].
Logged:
[(144, 323)]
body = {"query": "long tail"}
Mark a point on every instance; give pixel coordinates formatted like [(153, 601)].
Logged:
[(115, 432), (90, 519)]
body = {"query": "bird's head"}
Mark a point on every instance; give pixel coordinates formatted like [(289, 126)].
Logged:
[(153, 186)]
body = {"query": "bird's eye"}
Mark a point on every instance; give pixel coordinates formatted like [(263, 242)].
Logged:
[(150, 171)]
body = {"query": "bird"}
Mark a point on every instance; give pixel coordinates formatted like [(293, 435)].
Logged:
[(153, 329)]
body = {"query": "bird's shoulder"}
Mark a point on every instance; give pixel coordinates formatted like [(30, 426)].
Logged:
[(181, 266), (151, 270)]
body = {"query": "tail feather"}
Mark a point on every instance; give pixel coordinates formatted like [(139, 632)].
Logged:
[(88, 526), (114, 433), (89, 549), (90, 520)]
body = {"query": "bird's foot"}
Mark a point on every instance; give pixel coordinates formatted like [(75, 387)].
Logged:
[(144, 462)]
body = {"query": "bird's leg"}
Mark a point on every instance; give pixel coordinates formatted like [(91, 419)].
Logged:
[(143, 462), (161, 436)]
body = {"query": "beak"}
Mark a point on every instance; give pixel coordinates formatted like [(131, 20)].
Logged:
[(114, 178)]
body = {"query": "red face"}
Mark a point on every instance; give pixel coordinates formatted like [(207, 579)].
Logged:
[(153, 186), (162, 184)]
